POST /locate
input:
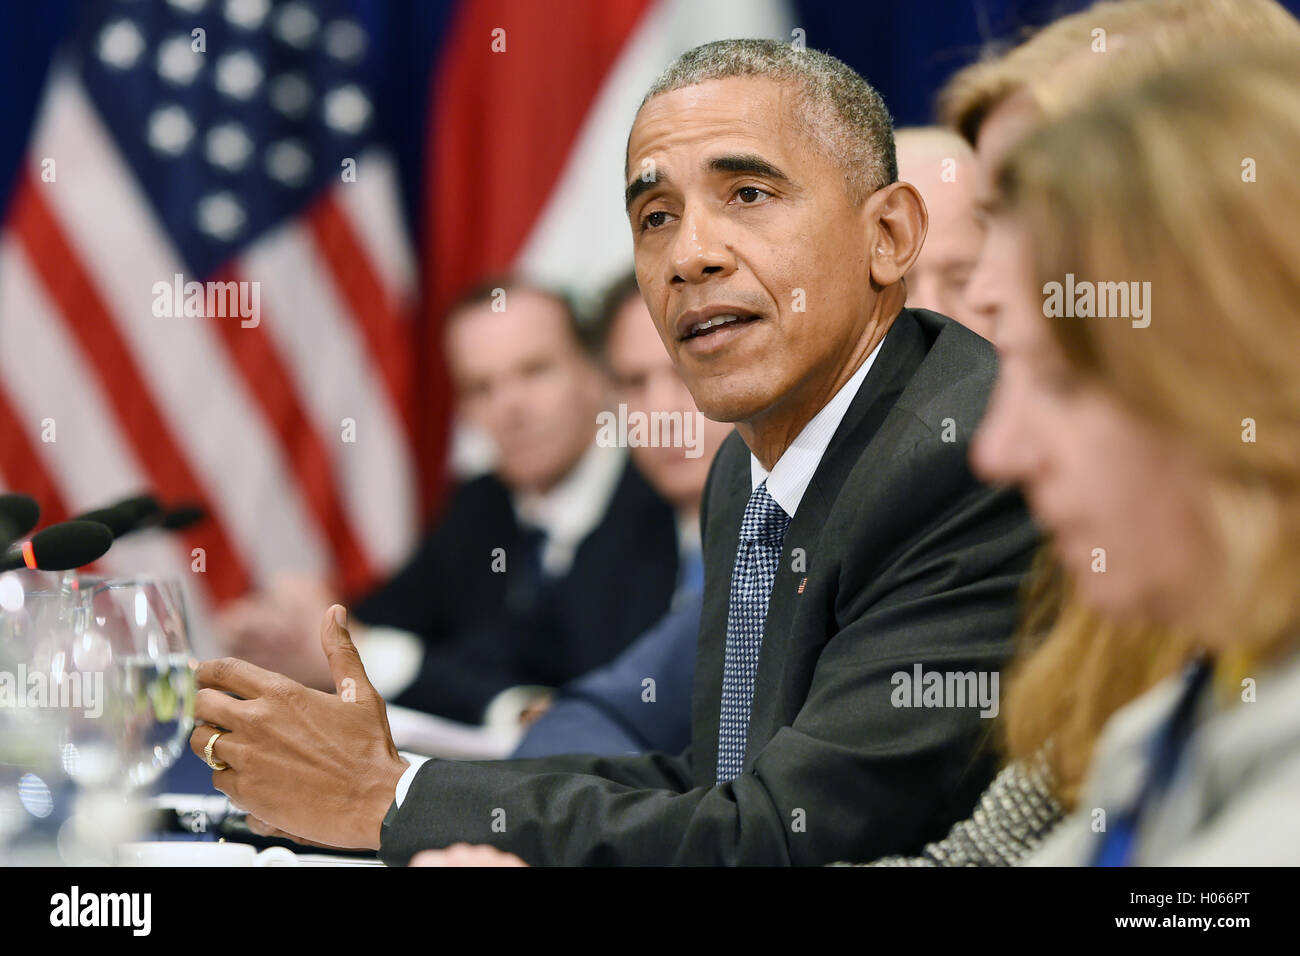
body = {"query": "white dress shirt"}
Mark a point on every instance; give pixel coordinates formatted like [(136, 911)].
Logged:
[(793, 472), (573, 508)]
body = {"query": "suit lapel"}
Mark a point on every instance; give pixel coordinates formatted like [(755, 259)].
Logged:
[(809, 544)]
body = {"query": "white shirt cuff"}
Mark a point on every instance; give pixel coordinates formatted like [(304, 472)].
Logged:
[(391, 657), (404, 783)]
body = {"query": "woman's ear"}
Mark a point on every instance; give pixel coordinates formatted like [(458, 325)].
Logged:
[(898, 220)]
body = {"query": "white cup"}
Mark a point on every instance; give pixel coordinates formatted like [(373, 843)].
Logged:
[(188, 853)]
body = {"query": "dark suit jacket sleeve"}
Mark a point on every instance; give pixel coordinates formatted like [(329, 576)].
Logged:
[(946, 599)]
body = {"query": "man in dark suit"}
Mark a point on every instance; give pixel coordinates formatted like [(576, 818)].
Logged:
[(847, 546), (517, 587)]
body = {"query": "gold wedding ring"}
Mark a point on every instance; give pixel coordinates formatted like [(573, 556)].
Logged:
[(212, 761)]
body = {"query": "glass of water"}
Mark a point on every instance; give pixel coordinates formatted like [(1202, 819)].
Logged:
[(144, 625), (41, 614)]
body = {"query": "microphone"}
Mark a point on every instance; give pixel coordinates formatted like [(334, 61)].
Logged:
[(123, 517), (18, 515), (181, 517), (60, 547)]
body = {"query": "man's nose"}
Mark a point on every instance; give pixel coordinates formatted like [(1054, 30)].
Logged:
[(699, 250)]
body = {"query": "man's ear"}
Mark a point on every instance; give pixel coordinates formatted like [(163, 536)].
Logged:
[(897, 220)]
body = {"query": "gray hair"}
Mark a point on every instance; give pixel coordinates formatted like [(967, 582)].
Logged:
[(845, 114)]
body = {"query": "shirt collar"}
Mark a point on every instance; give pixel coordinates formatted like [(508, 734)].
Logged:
[(793, 472), (574, 507)]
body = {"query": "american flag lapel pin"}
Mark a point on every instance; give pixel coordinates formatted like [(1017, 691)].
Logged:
[(802, 584)]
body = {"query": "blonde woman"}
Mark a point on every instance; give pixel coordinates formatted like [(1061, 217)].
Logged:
[(1169, 447), (1074, 668)]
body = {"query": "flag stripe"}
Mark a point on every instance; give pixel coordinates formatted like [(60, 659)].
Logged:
[(374, 213), (385, 333), (83, 445), (23, 469), (68, 285), (340, 388), (268, 382)]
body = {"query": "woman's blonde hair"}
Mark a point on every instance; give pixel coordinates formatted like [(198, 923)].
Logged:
[(1072, 670), (1110, 44), (1187, 181)]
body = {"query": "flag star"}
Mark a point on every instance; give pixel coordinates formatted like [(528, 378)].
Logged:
[(221, 216), (297, 25), (228, 146), (344, 40), (347, 109), (120, 44), (177, 60), (247, 14), (291, 94), (238, 75), (288, 162), (170, 130)]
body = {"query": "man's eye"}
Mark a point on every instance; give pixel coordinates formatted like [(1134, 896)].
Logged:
[(650, 220), (750, 194)]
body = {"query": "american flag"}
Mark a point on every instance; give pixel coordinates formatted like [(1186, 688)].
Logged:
[(213, 141), (203, 142)]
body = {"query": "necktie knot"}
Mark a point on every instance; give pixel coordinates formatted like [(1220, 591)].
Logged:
[(764, 519)]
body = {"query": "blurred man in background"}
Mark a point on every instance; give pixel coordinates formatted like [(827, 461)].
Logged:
[(613, 710), (941, 165), (520, 583)]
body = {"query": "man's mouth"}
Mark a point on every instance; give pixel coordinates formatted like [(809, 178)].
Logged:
[(711, 325)]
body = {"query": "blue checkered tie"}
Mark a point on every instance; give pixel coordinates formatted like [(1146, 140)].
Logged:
[(762, 530)]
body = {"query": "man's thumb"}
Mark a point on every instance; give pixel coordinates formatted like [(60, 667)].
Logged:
[(342, 654)]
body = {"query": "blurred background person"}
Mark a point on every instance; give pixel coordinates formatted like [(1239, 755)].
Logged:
[(613, 710), (1140, 439), (522, 583), (941, 165)]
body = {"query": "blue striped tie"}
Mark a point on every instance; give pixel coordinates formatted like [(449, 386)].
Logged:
[(758, 554)]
